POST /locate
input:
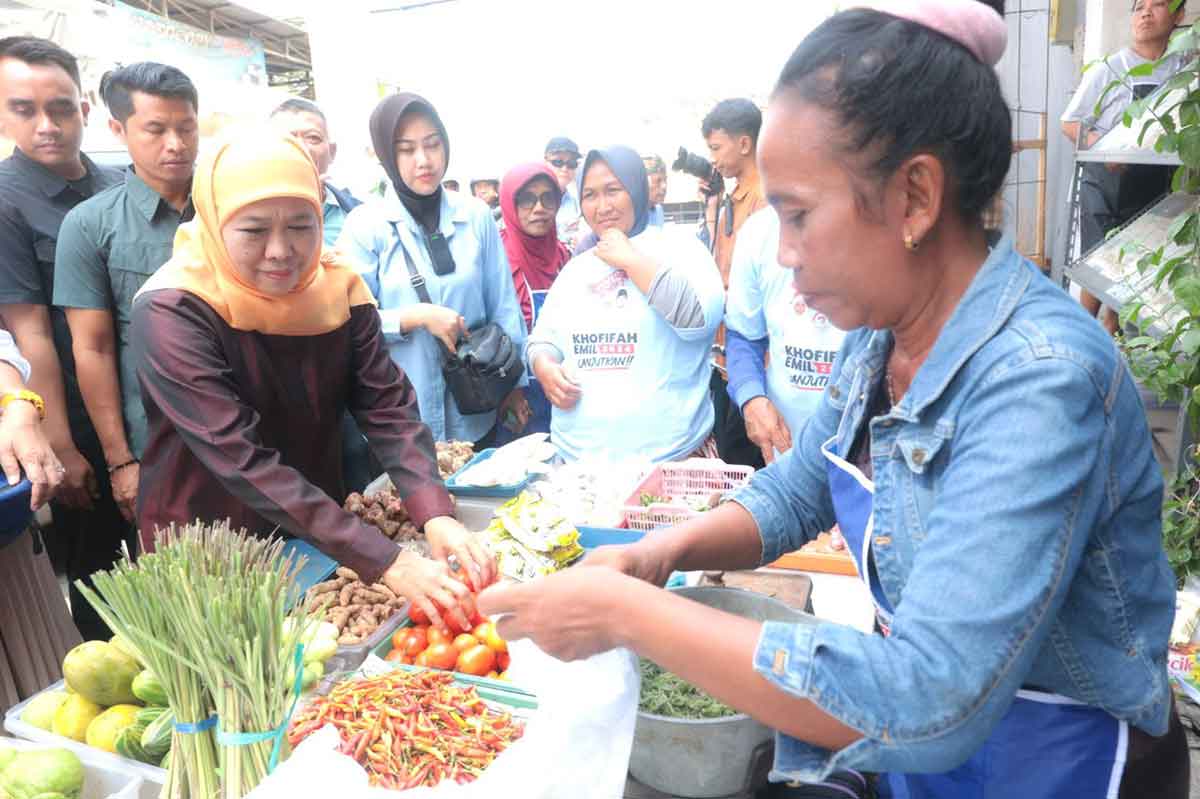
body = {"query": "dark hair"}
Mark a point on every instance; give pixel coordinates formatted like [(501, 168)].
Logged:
[(118, 85), (33, 50), (737, 117), (478, 181), (299, 105), (898, 89), (1182, 6)]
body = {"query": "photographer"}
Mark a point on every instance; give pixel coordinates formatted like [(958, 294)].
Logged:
[(731, 131)]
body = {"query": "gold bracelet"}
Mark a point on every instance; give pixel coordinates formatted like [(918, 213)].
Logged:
[(24, 395)]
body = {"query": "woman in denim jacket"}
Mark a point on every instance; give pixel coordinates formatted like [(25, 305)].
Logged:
[(981, 445)]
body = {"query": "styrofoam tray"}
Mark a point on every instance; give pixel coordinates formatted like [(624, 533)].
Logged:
[(101, 780), (153, 776)]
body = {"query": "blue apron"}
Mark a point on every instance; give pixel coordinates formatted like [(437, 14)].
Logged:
[(1046, 746)]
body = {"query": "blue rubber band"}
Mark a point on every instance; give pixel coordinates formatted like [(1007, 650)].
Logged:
[(247, 738), (196, 727)]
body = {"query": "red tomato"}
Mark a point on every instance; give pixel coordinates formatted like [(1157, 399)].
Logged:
[(502, 660), (464, 641), (442, 656), (422, 659), (493, 674), (477, 660), (416, 641), (400, 636), (395, 655), (436, 636), (416, 615)]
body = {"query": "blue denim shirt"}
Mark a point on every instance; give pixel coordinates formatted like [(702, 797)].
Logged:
[(1017, 534), (480, 289)]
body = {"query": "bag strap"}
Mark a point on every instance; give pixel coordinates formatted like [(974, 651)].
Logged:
[(417, 280), (414, 277)]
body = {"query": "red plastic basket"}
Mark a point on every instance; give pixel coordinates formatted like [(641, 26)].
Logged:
[(696, 478)]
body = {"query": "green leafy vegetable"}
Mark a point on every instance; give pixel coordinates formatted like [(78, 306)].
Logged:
[(665, 694)]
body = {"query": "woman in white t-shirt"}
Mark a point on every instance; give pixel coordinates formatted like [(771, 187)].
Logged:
[(622, 345)]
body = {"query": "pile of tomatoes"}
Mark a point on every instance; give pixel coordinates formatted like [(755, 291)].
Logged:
[(479, 651)]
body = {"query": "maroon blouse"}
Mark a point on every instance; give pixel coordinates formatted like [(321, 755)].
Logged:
[(247, 426)]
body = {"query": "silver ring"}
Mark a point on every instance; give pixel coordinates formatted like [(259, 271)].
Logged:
[(453, 563)]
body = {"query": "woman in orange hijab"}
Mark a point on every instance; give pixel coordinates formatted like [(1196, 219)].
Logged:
[(251, 344)]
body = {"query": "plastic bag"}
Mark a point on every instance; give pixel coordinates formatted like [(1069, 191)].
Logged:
[(576, 744)]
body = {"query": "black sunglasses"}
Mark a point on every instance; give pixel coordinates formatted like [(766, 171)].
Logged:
[(560, 163), (527, 199)]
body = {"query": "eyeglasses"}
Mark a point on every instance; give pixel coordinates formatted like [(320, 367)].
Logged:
[(527, 199), (559, 163)]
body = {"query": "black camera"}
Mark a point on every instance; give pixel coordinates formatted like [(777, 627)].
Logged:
[(699, 167)]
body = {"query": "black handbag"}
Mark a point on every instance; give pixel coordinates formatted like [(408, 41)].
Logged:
[(486, 367)]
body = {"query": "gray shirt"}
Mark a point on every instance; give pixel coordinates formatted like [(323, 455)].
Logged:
[(108, 247), (1100, 75)]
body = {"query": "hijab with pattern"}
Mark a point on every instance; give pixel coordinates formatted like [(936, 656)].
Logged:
[(246, 167), (627, 165), (534, 260)]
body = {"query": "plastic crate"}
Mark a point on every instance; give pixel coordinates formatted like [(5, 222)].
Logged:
[(697, 478), (102, 779), (153, 776)]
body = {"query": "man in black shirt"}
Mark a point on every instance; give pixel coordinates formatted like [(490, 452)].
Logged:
[(41, 110)]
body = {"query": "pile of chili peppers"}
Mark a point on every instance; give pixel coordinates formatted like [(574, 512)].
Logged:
[(409, 729)]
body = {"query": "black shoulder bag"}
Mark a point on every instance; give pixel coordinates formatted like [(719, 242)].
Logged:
[(486, 367)]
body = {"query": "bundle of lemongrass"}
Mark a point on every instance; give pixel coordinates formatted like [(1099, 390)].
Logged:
[(207, 612)]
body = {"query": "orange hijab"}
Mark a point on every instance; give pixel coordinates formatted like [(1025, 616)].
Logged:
[(248, 166)]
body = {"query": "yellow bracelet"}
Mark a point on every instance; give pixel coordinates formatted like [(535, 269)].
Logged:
[(24, 395)]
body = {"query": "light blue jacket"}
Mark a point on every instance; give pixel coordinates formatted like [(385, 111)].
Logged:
[(644, 382), (480, 288), (1017, 534)]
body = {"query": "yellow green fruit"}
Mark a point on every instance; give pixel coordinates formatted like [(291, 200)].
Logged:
[(102, 732), (73, 716), (40, 710), (102, 673)]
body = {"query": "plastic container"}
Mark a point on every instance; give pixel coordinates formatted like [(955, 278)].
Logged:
[(698, 478), (101, 779), (347, 659), (318, 565), (14, 511), (153, 776), (458, 489), (592, 537)]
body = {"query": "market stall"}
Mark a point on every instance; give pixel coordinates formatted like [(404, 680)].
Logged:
[(298, 647)]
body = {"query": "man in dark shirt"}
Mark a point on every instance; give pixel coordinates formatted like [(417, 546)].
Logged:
[(41, 110), (110, 245)]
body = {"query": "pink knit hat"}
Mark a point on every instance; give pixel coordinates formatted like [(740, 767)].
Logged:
[(972, 24)]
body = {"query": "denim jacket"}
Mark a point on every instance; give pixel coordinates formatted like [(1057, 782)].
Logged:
[(1017, 534)]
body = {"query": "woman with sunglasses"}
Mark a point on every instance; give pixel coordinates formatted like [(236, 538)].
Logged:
[(621, 346), (451, 242), (529, 199)]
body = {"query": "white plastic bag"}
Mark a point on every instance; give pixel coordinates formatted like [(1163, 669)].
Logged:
[(576, 744)]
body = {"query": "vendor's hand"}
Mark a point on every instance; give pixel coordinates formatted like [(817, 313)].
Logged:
[(516, 404), (79, 488), (641, 560), (567, 614), (125, 489), (429, 585), (615, 249), (448, 538), (562, 393), (23, 446), (445, 323), (766, 428)]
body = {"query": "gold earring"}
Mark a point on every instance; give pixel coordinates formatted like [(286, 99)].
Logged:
[(909, 243)]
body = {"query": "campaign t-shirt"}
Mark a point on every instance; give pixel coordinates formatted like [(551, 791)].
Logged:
[(644, 382), (763, 303)]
